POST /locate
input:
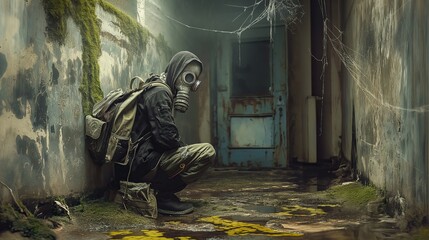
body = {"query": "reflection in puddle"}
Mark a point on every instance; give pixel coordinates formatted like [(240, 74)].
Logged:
[(222, 228), (236, 228), (263, 209), (295, 210), (300, 211)]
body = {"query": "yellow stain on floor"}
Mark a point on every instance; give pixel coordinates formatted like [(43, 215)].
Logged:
[(230, 227), (174, 222), (300, 211), (236, 228), (120, 232), (329, 205), (145, 235)]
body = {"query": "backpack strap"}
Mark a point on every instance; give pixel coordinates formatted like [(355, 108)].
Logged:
[(153, 81), (157, 83), (141, 81)]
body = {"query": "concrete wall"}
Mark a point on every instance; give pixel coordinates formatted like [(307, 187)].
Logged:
[(309, 76), (386, 88), (195, 124), (40, 112), (299, 83), (329, 86), (41, 134)]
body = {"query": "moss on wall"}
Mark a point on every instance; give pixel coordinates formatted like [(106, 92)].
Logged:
[(137, 35), (56, 14), (163, 45), (84, 15)]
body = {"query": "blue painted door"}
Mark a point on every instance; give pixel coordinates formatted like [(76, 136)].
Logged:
[(251, 100)]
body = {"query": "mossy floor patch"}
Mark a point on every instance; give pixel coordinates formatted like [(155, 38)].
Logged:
[(353, 195), (100, 214)]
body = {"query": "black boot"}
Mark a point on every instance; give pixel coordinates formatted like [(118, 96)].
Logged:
[(170, 204)]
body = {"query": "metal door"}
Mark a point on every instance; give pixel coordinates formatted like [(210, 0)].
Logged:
[(251, 100)]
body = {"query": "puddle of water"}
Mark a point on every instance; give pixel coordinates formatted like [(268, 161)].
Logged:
[(263, 209), (313, 184), (295, 209), (301, 211), (333, 235), (365, 231), (232, 228), (310, 179), (329, 208), (223, 229), (238, 228), (162, 234)]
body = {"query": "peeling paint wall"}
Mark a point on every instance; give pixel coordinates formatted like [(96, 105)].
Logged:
[(387, 91), (41, 142), (41, 120)]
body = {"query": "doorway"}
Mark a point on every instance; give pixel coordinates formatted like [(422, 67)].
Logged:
[(251, 100)]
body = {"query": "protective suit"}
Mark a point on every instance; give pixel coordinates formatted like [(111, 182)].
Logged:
[(162, 159)]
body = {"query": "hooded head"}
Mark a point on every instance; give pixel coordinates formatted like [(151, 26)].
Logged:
[(182, 76)]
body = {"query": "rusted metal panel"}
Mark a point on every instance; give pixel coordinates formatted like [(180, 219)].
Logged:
[(251, 105), (252, 132)]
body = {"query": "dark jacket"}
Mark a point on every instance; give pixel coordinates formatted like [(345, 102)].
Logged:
[(155, 116), (154, 119)]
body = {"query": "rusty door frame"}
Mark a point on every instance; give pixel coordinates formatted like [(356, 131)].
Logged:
[(275, 156)]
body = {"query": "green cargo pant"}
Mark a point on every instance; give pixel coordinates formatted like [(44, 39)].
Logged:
[(189, 162), (183, 166)]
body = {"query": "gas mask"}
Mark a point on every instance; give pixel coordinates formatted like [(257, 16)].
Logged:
[(187, 81)]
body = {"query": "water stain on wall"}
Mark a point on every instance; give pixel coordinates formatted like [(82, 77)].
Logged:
[(40, 115), (71, 72), (55, 74), (3, 64), (27, 148), (31, 162), (3, 67), (22, 93), (71, 137)]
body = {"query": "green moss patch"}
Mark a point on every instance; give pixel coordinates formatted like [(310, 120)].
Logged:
[(421, 233), (56, 17), (137, 35), (84, 15), (28, 226), (104, 213), (353, 195)]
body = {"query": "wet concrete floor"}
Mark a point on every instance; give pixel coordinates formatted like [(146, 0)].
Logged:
[(267, 204)]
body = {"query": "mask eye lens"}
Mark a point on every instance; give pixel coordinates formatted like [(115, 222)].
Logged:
[(189, 78)]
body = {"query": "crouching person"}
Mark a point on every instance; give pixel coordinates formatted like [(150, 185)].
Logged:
[(161, 158)]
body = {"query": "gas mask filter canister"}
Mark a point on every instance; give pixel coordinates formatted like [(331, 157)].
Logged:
[(186, 83)]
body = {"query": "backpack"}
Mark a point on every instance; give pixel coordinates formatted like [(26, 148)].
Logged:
[(108, 129)]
